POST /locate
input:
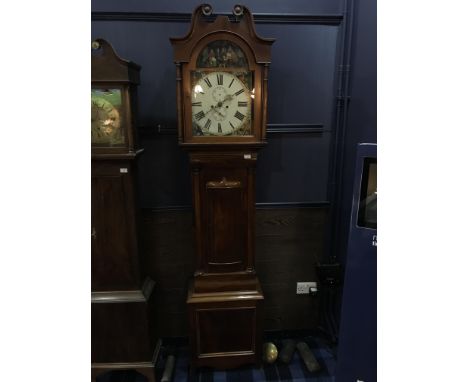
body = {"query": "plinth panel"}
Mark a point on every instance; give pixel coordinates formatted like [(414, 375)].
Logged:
[(225, 327), (120, 332), (223, 330)]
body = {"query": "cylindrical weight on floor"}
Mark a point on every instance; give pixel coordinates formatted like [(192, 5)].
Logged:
[(308, 358), (168, 369), (287, 350)]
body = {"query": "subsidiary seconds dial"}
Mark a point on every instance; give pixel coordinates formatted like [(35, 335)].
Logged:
[(221, 105)]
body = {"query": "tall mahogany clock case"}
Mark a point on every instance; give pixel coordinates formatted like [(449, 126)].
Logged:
[(122, 306), (222, 76)]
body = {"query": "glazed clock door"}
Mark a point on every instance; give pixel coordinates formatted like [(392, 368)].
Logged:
[(223, 96), (221, 90)]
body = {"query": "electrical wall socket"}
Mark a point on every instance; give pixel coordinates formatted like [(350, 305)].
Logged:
[(304, 287)]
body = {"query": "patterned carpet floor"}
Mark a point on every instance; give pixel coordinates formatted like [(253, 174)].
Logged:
[(295, 371)]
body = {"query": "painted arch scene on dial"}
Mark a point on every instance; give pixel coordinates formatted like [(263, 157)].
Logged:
[(222, 96), (221, 54)]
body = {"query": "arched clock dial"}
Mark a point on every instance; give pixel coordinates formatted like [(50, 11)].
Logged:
[(105, 117), (221, 105)]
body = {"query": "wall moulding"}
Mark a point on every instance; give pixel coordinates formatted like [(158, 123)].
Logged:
[(260, 18), (258, 206), (272, 128)]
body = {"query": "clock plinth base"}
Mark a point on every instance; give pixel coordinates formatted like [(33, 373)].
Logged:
[(225, 327), (122, 331), (147, 369)]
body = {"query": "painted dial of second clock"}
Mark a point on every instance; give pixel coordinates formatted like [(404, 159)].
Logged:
[(221, 105)]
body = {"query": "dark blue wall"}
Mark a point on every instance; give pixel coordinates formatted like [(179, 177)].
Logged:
[(325, 52), (295, 166), (361, 122)]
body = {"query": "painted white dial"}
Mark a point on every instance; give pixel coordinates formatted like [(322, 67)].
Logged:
[(221, 105)]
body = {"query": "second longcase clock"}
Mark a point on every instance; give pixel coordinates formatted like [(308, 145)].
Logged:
[(122, 296), (222, 76)]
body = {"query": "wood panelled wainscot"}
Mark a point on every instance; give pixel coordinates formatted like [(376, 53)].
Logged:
[(289, 242)]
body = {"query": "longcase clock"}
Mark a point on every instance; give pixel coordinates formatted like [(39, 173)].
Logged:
[(121, 298), (222, 76)]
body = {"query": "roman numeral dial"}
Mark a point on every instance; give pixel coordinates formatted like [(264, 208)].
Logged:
[(239, 116), (208, 82), (200, 115), (222, 103)]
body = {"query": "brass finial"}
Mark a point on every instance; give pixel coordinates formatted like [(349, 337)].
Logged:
[(207, 9), (95, 45), (238, 10)]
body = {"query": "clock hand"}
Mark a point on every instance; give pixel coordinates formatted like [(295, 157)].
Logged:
[(210, 110), (221, 114), (219, 104), (217, 109), (228, 97)]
